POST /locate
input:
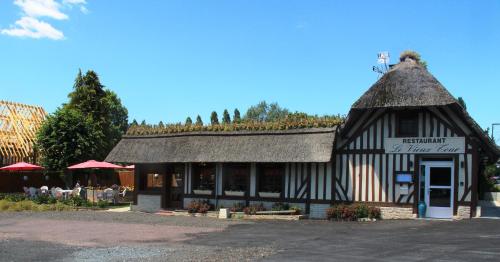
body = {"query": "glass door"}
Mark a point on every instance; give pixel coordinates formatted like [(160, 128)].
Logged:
[(175, 192), (439, 189)]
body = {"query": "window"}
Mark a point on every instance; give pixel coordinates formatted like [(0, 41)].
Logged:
[(152, 181), (270, 177), (407, 125), (236, 177), (204, 176)]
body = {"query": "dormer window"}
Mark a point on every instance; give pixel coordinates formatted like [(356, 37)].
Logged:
[(407, 125)]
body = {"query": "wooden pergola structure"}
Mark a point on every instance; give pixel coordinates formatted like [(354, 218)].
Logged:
[(19, 124)]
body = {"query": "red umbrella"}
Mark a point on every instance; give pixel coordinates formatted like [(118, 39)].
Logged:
[(94, 164), (21, 166)]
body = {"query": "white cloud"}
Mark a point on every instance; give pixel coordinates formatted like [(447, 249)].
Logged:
[(33, 28), (39, 8), (29, 25), (74, 2)]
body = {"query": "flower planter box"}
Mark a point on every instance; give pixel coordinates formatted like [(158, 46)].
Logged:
[(235, 193), (269, 194), (202, 192)]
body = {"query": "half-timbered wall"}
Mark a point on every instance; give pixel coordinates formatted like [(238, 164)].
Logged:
[(300, 180), (365, 173)]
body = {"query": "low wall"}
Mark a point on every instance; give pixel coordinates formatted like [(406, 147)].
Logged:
[(397, 213), (147, 203), (318, 211), (492, 196), (463, 212)]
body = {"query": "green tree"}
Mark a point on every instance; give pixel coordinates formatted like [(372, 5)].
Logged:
[(199, 122), (67, 137), (143, 123), (161, 125), (102, 107), (214, 118), (226, 119), (461, 101), (266, 112), (189, 121), (236, 116), (134, 123)]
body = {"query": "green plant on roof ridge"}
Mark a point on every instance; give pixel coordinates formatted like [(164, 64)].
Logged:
[(414, 56)]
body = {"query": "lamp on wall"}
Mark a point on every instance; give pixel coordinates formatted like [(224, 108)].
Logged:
[(25, 178)]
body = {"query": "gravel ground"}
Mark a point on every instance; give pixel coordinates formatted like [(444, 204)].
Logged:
[(107, 236)]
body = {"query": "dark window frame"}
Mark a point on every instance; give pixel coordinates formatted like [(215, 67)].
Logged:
[(261, 187), (197, 179), (411, 131), (144, 179), (227, 177)]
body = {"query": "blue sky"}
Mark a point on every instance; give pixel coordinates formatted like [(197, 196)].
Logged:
[(172, 59)]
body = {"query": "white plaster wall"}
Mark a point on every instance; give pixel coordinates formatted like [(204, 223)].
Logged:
[(148, 203)]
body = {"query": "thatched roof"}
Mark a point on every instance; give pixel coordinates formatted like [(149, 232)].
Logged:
[(407, 84), (300, 145)]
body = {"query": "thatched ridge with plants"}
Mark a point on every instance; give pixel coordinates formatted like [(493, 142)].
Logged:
[(262, 116)]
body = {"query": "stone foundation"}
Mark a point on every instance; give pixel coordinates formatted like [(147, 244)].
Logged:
[(318, 211), (397, 213), (147, 203), (463, 212)]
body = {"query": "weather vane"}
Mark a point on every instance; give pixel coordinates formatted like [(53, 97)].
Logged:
[(383, 61)]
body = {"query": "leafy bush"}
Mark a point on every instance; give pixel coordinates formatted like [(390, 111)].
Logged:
[(237, 207), (13, 197), (278, 206), (343, 212), (78, 201), (374, 212), (102, 204), (253, 209), (44, 199), (361, 210), (199, 206)]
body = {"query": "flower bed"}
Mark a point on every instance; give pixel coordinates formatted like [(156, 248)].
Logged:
[(354, 212)]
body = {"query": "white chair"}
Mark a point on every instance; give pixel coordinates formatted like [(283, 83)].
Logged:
[(123, 193), (32, 192), (44, 190), (108, 194), (59, 193)]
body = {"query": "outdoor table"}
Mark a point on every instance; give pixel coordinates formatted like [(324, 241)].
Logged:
[(65, 193)]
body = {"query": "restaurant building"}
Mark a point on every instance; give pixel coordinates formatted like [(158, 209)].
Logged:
[(406, 140)]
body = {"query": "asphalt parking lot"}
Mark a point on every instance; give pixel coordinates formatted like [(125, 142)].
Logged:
[(103, 236)]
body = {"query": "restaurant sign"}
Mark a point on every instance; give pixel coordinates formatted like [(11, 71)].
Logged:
[(425, 145)]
